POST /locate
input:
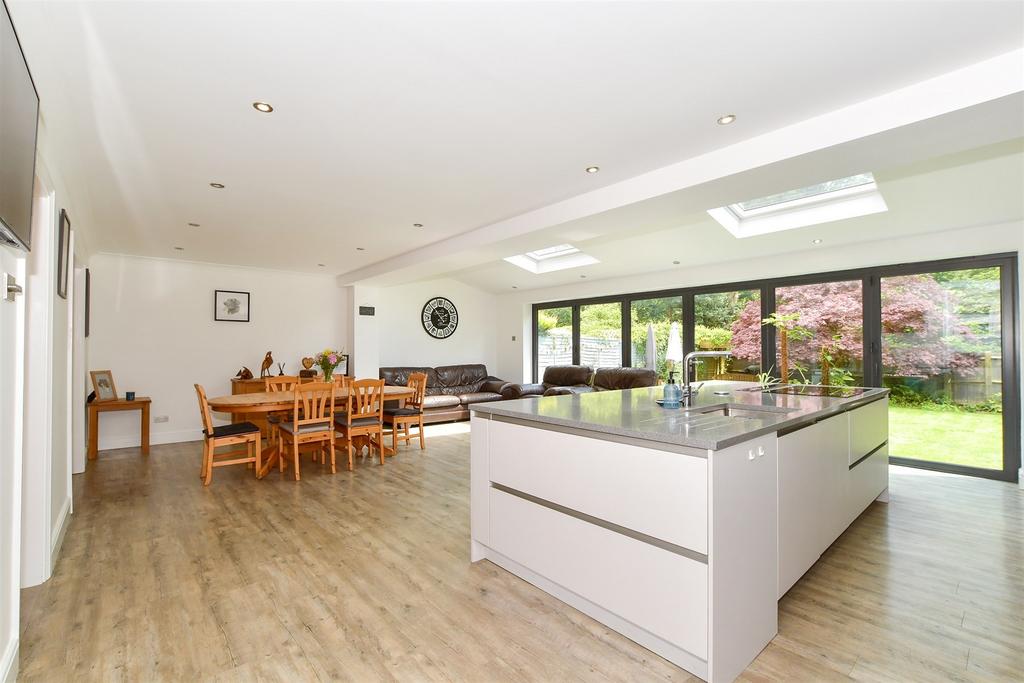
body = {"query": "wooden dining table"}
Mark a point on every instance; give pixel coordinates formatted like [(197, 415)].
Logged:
[(274, 401)]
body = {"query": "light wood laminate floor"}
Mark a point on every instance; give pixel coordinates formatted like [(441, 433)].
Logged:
[(365, 576)]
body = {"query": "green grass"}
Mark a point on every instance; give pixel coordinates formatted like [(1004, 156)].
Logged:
[(960, 438)]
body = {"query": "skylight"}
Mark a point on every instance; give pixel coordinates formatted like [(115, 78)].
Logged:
[(550, 259), (552, 252), (809, 191), (831, 200)]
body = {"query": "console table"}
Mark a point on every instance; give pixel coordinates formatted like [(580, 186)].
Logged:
[(141, 403)]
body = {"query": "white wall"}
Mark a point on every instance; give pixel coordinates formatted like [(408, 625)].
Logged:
[(403, 341), (514, 309), (152, 325)]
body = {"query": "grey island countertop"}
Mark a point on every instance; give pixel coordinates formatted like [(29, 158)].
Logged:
[(723, 413)]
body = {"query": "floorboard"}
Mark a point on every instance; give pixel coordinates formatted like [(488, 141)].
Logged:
[(365, 576)]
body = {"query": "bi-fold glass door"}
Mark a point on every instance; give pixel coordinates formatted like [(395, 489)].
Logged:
[(942, 357)]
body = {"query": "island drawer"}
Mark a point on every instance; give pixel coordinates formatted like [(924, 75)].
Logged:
[(869, 428), (644, 584), (657, 493)]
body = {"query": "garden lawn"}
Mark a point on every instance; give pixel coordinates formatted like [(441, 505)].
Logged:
[(960, 438)]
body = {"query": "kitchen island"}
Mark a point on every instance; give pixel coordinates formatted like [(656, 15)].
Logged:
[(679, 528)]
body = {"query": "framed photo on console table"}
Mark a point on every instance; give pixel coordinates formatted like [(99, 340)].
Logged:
[(103, 385), (231, 306)]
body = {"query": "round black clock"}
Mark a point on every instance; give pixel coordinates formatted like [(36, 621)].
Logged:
[(440, 318)]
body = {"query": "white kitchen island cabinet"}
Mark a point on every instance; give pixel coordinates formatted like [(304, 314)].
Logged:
[(675, 528)]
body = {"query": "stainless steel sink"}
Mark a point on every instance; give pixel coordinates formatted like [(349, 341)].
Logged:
[(737, 410)]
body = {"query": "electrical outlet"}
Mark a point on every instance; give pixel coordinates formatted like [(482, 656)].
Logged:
[(161, 418)]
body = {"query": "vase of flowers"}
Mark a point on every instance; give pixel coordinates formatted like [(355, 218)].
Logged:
[(328, 360)]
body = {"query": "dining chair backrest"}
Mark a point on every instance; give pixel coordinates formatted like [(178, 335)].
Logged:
[(418, 383), (280, 383), (341, 381), (365, 399), (204, 410), (314, 403)]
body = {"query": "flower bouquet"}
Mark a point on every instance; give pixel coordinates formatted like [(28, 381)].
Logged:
[(328, 360)]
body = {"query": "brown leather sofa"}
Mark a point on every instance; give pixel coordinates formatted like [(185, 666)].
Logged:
[(555, 376), (580, 379), (451, 389), (611, 379)]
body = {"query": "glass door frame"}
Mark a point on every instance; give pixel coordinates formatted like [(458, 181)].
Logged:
[(870, 278), (1010, 349)]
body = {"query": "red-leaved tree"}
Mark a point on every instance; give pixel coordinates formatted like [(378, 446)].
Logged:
[(919, 325)]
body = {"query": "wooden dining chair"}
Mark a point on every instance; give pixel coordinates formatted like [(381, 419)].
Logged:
[(279, 383), (227, 435), (400, 419), (362, 415), (310, 422)]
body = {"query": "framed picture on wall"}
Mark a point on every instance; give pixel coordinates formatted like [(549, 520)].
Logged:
[(229, 306), (103, 385), (63, 253)]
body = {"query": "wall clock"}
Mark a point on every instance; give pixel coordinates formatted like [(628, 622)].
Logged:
[(440, 318)]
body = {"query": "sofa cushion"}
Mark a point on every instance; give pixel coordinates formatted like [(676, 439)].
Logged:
[(567, 391), (567, 375), (478, 397), (461, 376), (399, 376), (440, 401), (624, 378)]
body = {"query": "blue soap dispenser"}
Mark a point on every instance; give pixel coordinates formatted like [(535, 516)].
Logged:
[(673, 392)]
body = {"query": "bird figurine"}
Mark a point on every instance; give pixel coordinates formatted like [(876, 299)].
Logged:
[(244, 373), (268, 362)]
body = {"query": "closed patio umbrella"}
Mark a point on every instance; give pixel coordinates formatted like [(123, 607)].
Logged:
[(674, 353), (651, 357)]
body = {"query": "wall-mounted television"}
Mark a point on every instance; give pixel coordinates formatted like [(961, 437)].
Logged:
[(19, 118)]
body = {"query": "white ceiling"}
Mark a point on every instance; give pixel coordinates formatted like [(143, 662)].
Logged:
[(454, 115)]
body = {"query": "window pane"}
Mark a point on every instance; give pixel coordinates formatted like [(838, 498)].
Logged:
[(728, 321), (601, 335), (554, 338), (651, 320), (942, 360), (809, 191), (820, 333)]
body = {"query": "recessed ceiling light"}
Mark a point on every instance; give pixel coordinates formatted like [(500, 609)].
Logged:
[(675, 263), (219, 186), (360, 249), (262, 107), (515, 286), (193, 225), (322, 265), (726, 120), (417, 225), (815, 241), (179, 248), (592, 169), (583, 277)]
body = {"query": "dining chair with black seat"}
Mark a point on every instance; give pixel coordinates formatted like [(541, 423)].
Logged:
[(362, 416), (401, 419), (279, 383), (311, 422), (227, 435)]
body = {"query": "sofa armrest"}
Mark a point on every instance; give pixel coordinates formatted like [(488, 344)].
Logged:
[(511, 391), (494, 385)]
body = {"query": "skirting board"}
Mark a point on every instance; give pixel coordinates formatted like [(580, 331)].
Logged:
[(59, 531), (9, 663), (132, 441), (678, 656)]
